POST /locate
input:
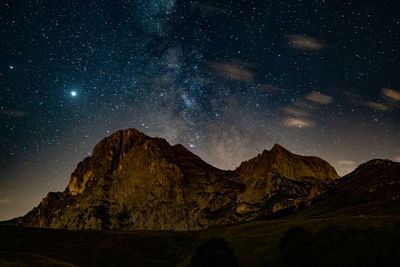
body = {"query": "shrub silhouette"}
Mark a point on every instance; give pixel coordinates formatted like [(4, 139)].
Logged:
[(334, 246), (299, 248), (214, 252)]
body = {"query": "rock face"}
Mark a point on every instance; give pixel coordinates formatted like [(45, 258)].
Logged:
[(371, 189), (280, 180), (133, 181)]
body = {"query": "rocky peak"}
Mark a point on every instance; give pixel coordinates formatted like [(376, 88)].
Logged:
[(381, 163), (133, 181), (283, 180), (111, 151), (373, 171), (105, 158), (292, 166), (277, 148)]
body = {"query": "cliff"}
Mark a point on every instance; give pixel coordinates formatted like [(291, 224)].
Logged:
[(133, 181)]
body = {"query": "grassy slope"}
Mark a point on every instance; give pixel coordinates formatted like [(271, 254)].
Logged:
[(254, 243), (257, 242), (28, 259)]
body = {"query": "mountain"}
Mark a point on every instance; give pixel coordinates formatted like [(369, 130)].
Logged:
[(373, 189), (133, 181), (279, 180)]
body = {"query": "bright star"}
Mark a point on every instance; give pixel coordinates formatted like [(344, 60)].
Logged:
[(74, 93), (11, 67)]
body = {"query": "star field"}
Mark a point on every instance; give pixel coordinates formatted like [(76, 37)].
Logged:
[(227, 79)]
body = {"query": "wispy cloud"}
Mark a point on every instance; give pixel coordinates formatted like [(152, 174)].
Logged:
[(319, 98), (4, 201), (392, 94), (347, 162), (12, 112), (303, 104), (299, 111), (209, 8), (376, 106), (296, 111), (346, 166), (232, 71), (297, 122), (302, 42), (388, 102)]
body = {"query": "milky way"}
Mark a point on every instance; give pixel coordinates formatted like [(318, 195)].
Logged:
[(227, 79)]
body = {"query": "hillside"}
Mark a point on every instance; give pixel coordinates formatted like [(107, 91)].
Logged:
[(373, 188)]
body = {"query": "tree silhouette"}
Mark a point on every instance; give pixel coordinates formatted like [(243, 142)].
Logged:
[(214, 252), (299, 248)]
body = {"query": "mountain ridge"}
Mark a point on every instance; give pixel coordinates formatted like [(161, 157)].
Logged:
[(133, 181), (372, 189)]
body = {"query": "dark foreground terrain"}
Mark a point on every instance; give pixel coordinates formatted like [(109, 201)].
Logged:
[(259, 243)]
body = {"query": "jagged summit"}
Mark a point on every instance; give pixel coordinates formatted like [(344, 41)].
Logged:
[(378, 163), (133, 181), (289, 165), (376, 171), (278, 148)]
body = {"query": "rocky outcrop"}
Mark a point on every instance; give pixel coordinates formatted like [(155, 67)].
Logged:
[(373, 188), (279, 179), (133, 181)]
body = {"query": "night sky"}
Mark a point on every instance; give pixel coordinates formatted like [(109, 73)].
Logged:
[(227, 79)]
